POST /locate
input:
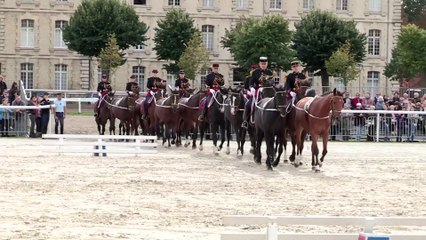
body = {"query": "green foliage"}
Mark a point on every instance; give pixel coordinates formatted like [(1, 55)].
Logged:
[(94, 20), (319, 34), (252, 38), (195, 57), (414, 9), (110, 57), (342, 64), (172, 36), (409, 55)]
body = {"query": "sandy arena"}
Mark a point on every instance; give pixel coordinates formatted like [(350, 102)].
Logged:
[(181, 194)]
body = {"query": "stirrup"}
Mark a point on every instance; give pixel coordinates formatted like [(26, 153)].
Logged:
[(244, 125)]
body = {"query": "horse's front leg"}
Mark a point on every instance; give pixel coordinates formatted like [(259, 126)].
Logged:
[(214, 137), (222, 138), (228, 136), (202, 126), (324, 147), (315, 152), (242, 136), (270, 150), (280, 142), (253, 138), (258, 143), (194, 137)]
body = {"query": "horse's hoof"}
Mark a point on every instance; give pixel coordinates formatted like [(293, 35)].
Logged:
[(200, 148), (269, 168), (313, 168), (275, 164), (194, 147), (172, 142), (257, 161), (285, 161), (317, 169), (186, 144), (228, 150)]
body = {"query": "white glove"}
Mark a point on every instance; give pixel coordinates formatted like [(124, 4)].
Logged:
[(211, 91), (151, 92), (99, 94), (292, 94)]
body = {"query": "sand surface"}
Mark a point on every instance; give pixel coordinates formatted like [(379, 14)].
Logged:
[(183, 194)]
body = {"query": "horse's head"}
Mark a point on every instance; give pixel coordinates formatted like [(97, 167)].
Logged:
[(174, 99), (131, 102), (135, 89), (336, 104), (281, 101), (236, 99)]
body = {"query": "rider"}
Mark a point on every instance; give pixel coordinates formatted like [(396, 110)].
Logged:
[(247, 81), (291, 80), (132, 82), (103, 87), (182, 83), (213, 82), (255, 84), (153, 83)]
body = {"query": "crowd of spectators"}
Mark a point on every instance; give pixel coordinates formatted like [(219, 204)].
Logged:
[(402, 127), (15, 120)]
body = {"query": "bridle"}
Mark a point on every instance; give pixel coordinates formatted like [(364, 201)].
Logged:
[(333, 101)]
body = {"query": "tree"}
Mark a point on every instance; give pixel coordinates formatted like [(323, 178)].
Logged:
[(94, 20), (414, 9), (319, 34), (252, 38), (342, 64), (110, 57), (409, 55), (172, 36), (194, 58)]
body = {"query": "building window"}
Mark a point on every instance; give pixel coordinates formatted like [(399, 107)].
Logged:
[(27, 75), (61, 76), (139, 72), (139, 2), (373, 82), (275, 4), (27, 33), (207, 32), (342, 5), (242, 4), (174, 2), (308, 5), (374, 42), (59, 38), (140, 47), (208, 3), (375, 5)]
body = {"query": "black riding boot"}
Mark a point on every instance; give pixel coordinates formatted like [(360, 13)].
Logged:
[(246, 116)]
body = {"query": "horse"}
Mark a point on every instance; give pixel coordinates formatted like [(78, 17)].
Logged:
[(234, 108), (151, 126), (216, 119), (125, 109), (270, 117), (314, 115), (104, 113), (166, 111), (189, 110)]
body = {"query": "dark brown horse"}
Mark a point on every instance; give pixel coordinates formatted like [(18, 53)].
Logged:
[(151, 125), (126, 110), (314, 115), (269, 117), (166, 112), (216, 119), (234, 108), (104, 113), (189, 110)]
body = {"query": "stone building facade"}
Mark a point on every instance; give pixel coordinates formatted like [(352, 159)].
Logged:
[(32, 50)]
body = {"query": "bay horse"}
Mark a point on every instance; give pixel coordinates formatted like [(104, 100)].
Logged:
[(215, 118), (126, 110), (314, 115), (166, 112), (189, 110), (104, 112), (151, 125), (270, 121), (234, 108)]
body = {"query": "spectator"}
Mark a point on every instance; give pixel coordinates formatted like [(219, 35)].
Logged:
[(367, 102), (356, 100), (380, 104), (378, 94), (32, 113), (19, 115), (12, 91), (346, 122), (3, 85), (359, 122), (347, 99), (45, 113), (59, 112), (38, 117), (416, 98), (5, 117)]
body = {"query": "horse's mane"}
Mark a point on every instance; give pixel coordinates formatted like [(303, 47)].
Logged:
[(332, 92)]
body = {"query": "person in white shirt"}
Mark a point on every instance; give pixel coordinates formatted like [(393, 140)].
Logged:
[(60, 105)]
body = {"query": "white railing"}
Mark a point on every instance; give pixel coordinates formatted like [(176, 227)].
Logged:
[(367, 223)]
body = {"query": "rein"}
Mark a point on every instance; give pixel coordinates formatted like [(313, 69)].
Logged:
[(217, 101), (116, 106)]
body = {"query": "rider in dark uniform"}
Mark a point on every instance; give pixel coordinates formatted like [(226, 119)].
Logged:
[(213, 82), (291, 80), (182, 83), (152, 84), (255, 84), (132, 82), (102, 89)]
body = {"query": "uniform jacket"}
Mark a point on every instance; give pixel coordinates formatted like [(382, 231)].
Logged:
[(254, 82)]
